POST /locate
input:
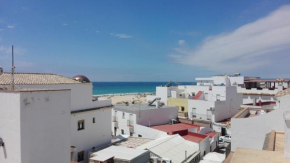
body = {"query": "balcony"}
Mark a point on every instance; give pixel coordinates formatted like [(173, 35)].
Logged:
[(115, 119), (130, 123)]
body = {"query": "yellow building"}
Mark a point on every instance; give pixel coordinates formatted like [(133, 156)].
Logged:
[(181, 103)]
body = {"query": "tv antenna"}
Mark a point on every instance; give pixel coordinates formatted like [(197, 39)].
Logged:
[(12, 71)]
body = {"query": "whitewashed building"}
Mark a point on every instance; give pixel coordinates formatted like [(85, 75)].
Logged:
[(213, 99), (251, 132), (135, 119), (172, 149), (35, 126), (90, 118)]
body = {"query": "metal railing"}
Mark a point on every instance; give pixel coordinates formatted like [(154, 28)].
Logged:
[(115, 119), (130, 123), (202, 116)]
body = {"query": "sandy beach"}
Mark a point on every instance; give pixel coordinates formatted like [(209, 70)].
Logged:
[(125, 98)]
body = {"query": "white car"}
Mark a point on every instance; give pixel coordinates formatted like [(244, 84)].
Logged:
[(226, 138)]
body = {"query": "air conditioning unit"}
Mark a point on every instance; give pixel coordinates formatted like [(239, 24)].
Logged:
[(154, 160), (211, 108), (165, 160)]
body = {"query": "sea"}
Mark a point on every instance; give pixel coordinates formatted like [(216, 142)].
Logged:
[(105, 88)]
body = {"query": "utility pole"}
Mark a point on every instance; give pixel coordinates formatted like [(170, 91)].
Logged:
[(12, 71)]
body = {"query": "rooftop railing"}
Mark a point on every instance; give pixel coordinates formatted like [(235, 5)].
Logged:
[(201, 116)]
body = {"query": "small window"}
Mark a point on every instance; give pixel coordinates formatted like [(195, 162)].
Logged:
[(122, 131), (182, 108), (204, 153), (81, 156), (131, 133), (123, 115), (139, 135), (94, 120), (81, 124)]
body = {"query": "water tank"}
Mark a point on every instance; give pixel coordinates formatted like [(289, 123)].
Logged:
[(1, 70), (81, 78)]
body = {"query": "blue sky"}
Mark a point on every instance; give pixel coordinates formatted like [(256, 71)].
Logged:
[(147, 40)]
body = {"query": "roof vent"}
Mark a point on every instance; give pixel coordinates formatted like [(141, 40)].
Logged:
[(1, 70)]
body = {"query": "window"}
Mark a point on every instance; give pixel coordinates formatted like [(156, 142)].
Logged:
[(131, 133), (218, 97), (182, 108), (206, 96), (139, 135), (81, 156), (210, 149), (123, 115), (193, 112), (81, 124), (204, 153), (94, 120), (122, 131)]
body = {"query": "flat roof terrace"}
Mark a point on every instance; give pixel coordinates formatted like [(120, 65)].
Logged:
[(176, 128), (137, 107)]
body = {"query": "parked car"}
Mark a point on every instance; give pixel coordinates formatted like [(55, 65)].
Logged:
[(226, 138)]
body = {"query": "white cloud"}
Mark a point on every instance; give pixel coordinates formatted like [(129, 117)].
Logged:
[(249, 47), (97, 31), (192, 33), (64, 24), (11, 26), (181, 42), (1, 29), (121, 35)]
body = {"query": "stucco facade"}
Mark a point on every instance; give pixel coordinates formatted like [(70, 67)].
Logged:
[(250, 132), (181, 103), (35, 126)]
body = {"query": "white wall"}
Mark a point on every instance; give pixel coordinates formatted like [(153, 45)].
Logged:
[(226, 108), (204, 146), (164, 93), (147, 132), (10, 127), (122, 121), (95, 134), (150, 117), (154, 117), (45, 126), (35, 126), (81, 95), (201, 108), (236, 80), (250, 132)]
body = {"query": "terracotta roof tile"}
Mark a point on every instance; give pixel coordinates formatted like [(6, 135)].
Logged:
[(36, 79)]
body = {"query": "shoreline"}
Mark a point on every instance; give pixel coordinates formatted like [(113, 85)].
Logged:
[(124, 94)]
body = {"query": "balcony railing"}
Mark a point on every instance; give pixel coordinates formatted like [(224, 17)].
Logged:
[(130, 123), (115, 119), (201, 116)]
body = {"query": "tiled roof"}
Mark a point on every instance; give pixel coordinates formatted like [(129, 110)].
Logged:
[(171, 129), (283, 93), (36, 79)]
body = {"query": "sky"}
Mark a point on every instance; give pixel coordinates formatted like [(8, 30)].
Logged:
[(148, 40)]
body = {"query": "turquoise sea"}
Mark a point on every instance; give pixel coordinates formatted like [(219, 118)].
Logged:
[(100, 88)]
